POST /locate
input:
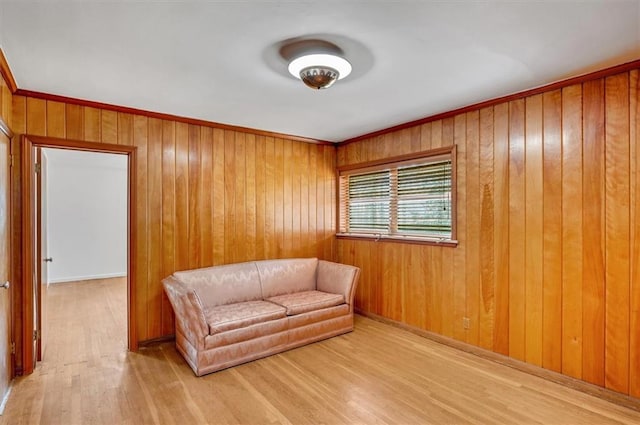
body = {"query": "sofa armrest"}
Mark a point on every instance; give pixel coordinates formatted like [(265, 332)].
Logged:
[(188, 311), (338, 278)]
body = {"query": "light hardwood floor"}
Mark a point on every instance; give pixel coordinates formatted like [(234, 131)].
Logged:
[(376, 374)]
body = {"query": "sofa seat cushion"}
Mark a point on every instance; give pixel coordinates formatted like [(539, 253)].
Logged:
[(303, 302), (239, 315)]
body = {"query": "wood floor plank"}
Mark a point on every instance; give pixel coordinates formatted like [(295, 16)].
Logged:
[(378, 374)]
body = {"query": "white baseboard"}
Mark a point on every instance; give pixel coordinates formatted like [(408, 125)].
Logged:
[(87, 277), (3, 404)]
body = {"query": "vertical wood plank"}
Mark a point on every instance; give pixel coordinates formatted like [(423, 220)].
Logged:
[(260, 170), (206, 192), (287, 205), (140, 139), (182, 196), (250, 197), (501, 227), (572, 231), (517, 295), (402, 141), (219, 191), (155, 311), (436, 134), (552, 219), (415, 135), (413, 287), (240, 198), (533, 230), (320, 195), (296, 208), (125, 129), (278, 204), (329, 202), (109, 126), (425, 137), (163, 134), (445, 133), (341, 156), (593, 229), (229, 196), (312, 234), (426, 266), (473, 219), (19, 114), (459, 255), (56, 119), (375, 281), (195, 217), (305, 245), (392, 275), (333, 182), (92, 125), (36, 117), (74, 119), (634, 343), (269, 204), (486, 320), (617, 232)]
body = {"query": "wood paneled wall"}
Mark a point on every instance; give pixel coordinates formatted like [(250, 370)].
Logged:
[(205, 196), (548, 262)]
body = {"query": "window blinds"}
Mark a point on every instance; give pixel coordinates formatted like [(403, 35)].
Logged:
[(369, 196), (424, 199), (412, 198)]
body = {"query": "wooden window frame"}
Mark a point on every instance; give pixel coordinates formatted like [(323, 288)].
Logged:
[(416, 157)]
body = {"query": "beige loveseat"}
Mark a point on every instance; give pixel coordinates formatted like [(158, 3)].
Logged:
[(232, 314)]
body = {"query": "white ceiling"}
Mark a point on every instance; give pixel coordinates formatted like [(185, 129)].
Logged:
[(216, 60)]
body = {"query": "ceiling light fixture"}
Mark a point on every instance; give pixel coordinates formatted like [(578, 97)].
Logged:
[(319, 70)]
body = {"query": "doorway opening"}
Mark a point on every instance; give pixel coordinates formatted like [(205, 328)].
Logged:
[(81, 229), (37, 152)]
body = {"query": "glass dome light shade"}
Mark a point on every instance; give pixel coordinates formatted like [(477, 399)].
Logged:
[(320, 60)]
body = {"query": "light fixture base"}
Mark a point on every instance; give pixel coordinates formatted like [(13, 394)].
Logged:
[(319, 78)]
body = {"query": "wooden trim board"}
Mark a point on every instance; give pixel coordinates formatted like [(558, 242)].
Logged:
[(503, 99), (163, 116), (6, 73)]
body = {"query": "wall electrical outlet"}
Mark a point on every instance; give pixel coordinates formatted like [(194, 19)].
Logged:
[(466, 322)]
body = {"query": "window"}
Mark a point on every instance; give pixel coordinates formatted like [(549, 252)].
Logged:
[(410, 198)]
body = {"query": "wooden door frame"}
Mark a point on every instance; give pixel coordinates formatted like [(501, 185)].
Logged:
[(27, 144), (6, 131)]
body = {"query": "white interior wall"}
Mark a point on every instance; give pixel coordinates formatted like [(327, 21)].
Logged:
[(1, 23), (87, 215)]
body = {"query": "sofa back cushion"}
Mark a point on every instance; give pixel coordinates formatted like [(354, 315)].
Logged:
[(287, 276), (221, 285)]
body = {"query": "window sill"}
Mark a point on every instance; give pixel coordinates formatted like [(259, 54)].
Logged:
[(399, 239)]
